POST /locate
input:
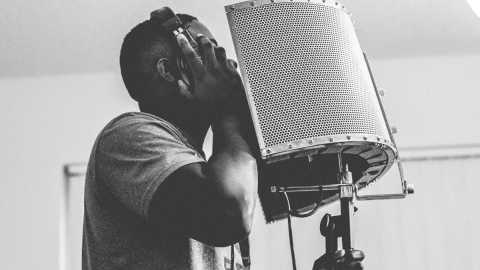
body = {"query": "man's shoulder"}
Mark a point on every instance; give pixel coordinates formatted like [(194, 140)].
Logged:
[(135, 118), (137, 132), (133, 124)]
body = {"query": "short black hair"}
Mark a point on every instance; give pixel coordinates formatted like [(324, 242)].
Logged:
[(142, 47)]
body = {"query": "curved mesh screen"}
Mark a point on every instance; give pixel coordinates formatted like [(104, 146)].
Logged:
[(306, 72)]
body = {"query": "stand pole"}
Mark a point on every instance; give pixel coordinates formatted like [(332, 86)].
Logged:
[(338, 226), (346, 206), (347, 211)]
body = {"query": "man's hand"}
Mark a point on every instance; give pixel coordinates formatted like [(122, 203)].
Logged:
[(217, 82)]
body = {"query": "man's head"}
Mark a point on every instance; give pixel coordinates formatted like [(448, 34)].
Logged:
[(148, 59)]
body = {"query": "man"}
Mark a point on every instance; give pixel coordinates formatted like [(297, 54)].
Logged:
[(151, 199)]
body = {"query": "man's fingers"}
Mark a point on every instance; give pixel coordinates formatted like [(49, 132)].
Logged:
[(184, 91), (233, 63), (221, 56), (190, 54), (207, 49)]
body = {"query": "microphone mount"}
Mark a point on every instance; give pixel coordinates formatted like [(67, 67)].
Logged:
[(406, 189), (333, 227)]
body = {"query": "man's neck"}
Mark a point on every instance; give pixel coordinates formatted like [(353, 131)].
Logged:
[(189, 121)]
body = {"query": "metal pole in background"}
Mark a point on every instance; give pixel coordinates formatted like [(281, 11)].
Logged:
[(70, 170)]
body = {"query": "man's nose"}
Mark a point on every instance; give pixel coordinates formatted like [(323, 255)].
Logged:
[(233, 62)]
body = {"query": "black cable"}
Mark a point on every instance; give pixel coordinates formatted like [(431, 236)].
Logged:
[(245, 252), (290, 233), (296, 214), (232, 264), (319, 203)]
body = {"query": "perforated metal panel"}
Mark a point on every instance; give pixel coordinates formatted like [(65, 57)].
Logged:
[(305, 73)]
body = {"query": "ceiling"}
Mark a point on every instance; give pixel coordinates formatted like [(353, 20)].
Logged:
[(49, 37)]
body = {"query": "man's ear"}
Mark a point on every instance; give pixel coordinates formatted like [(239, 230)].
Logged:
[(167, 70)]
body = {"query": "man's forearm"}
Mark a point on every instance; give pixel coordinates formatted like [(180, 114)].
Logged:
[(233, 168)]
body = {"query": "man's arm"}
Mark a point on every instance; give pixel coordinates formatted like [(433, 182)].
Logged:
[(212, 202)]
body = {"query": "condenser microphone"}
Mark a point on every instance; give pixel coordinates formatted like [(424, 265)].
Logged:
[(312, 99)]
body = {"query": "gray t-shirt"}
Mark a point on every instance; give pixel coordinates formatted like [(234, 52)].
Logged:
[(131, 157)]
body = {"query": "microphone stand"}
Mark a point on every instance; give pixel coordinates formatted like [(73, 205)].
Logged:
[(333, 227), (338, 226)]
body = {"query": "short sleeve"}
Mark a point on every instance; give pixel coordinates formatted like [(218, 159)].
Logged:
[(136, 153)]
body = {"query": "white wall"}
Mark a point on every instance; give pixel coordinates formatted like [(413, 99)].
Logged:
[(432, 100), (46, 122)]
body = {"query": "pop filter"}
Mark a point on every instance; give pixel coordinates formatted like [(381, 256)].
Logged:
[(311, 96)]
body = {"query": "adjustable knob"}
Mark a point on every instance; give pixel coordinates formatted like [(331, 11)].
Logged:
[(393, 129), (327, 225), (410, 189)]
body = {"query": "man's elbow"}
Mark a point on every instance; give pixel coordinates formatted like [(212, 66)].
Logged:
[(246, 215), (245, 209), (247, 220), (237, 230), (235, 227)]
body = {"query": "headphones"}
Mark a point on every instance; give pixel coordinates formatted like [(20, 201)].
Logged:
[(169, 20)]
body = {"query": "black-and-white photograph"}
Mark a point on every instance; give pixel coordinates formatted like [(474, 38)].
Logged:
[(240, 135)]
